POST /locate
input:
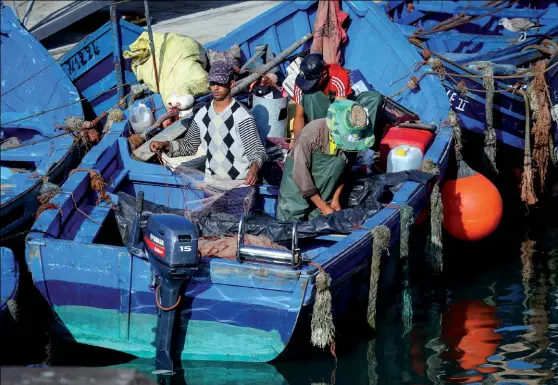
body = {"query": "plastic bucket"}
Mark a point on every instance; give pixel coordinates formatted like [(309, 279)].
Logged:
[(141, 118), (271, 117)]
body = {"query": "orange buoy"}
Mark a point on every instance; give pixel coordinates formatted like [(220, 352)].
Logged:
[(473, 206)]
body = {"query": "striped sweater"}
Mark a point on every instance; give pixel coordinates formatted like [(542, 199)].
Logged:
[(230, 139)]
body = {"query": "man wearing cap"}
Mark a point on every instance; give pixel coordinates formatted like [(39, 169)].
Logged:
[(226, 130), (318, 85), (315, 165)]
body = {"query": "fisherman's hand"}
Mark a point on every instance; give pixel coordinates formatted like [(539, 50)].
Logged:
[(326, 210), (159, 146), (335, 205), (252, 177)]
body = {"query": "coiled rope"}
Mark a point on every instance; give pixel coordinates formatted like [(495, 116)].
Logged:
[(97, 184)]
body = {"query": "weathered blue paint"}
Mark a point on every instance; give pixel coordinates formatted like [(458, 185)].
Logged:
[(96, 65), (31, 83), (9, 274), (230, 311), (476, 32), (477, 41)]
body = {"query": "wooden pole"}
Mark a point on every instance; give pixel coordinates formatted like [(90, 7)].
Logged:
[(244, 83), (151, 42)]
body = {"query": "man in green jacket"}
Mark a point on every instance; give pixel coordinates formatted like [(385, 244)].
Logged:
[(314, 168)]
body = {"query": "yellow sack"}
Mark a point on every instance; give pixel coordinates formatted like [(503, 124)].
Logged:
[(179, 63)]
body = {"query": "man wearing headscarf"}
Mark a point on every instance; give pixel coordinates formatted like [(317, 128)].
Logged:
[(313, 173), (226, 130)]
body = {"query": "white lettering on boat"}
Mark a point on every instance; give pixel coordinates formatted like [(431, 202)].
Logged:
[(456, 102)]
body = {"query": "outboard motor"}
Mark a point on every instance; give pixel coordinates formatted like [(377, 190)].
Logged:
[(170, 243)]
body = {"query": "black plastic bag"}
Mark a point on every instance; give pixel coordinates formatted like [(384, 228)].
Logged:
[(366, 198)]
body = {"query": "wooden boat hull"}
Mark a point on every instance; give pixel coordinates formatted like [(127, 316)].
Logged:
[(35, 94), (230, 311)]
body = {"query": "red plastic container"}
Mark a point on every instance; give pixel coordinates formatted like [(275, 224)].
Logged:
[(409, 136)]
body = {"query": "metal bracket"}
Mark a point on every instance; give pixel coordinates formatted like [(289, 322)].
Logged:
[(291, 257)]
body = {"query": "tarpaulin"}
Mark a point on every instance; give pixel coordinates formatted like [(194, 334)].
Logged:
[(365, 199)]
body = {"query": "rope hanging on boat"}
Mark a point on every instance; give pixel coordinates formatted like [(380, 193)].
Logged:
[(381, 236), (453, 122), (434, 246), (528, 194), (47, 206), (542, 129), (322, 326), (406, 220), (489, 151), (97, 184), (471, 75)]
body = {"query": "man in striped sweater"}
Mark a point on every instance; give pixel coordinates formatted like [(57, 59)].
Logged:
[(226, 130)]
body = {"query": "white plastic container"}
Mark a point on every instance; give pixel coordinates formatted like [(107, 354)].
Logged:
[(141, 118), (403, 158)]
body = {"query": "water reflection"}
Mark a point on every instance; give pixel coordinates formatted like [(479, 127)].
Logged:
[(498, 328), (469, 336)]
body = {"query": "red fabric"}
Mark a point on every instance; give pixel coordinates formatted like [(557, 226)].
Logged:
[(329, 34), (338, 83)]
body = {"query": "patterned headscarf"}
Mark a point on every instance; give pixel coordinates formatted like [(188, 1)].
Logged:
[(349, 126), (221, 72)]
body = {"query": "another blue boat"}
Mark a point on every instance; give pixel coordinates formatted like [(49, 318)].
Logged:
[(103, 294), (472, 32), (35, 94), (479, 40), (96, 66), (9, 279)]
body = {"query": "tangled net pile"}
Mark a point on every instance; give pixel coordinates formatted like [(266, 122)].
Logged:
[(202, 195)]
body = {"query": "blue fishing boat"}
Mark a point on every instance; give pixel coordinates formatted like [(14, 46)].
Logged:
[(35, 94), (254, 308), (467, 27), (10, 279), (96, 66), (463, 39)]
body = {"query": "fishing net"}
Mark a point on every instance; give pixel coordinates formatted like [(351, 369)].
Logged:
[(204, 194)]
